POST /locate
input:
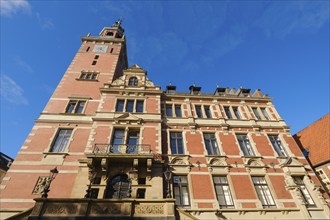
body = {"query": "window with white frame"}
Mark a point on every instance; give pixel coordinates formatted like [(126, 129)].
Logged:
[(181, 191), (75, 107), (173, 110), (232, 112), (222, 190), (245, 145), (263, 192), (129, 105), (176, 143), (256, 113), (61, 140), (303, 190), (277, 145), (211, 144)]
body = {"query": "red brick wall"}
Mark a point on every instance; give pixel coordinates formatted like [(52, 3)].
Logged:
[(229, 145), (243, 187), (202, 187), (317, 138)]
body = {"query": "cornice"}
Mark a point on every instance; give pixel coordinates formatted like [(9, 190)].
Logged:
[(103, 39)]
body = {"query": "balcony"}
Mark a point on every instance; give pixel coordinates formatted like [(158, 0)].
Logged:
[(90, 209)]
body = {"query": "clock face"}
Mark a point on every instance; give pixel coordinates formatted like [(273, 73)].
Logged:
[(100, 48)]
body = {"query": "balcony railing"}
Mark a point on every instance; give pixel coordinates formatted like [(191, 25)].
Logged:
[(122, 149)]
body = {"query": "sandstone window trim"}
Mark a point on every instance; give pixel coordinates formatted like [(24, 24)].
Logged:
[(61, 141), (203, 111), (260, 113), (76, 106), (233, 112), (181, 191), (245, 145), (89, 76), (173, 110), (223, 191), (130, 105), (263, 192), (211, 144)]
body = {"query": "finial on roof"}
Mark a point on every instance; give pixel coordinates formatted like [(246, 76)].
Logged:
[(170, 83), (240, 87), (194, 84), (117, 23), (217, 85)]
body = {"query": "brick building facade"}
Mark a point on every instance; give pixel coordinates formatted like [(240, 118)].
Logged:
[(151, 154), (314, 140)]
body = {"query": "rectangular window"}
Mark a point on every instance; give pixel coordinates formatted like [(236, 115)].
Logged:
[(169, 111), (75, 107), (207, 111), (96, 57), (277, 145), (61, 140), (304, 192), (223, 192), (263, 192), (88, 76), (265, 114), (178, 111), (139, 105), (120, 105), (228, 113), (211, 144), (94, 62), (236, 112), (256, 113), (198, 111), (176, 143), (245, 145), (129, 105), (181, 191), (123, 142)]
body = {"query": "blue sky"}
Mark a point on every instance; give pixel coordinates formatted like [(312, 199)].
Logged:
[(281, 47)]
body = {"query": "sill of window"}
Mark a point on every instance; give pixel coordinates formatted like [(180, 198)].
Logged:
[(218, 156), (252, 156), (90, 80), (64, 154), (78, 114), (179, 155), (314, 208), (141, 185)]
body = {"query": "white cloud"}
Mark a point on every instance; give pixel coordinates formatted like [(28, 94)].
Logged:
[(44, 22), (11, 91), (23, 65), (280, 19), (11, 7)]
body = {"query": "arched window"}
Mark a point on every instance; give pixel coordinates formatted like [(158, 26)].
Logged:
[(133, 81), (110, 33), (118, 187)]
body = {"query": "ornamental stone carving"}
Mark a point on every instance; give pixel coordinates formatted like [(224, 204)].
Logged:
[(105, 208), (61, 209), (40, 185), (149, 209)]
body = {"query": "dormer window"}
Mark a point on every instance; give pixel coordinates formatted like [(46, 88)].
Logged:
[(109, 33), (133, 81)]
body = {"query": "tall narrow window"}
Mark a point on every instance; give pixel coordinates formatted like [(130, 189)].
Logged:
[(88, 49), (181, 191), (96, 57), (61, 140), (263, 192), (228, 113), (75, 107), (176, 143), (120, 105), (304, 192), (129, 105), (256, 113), (265, 114), (118, 141), (223, 192), (236, 112), (245, 145), (198, 111), (94, 62), (132, 141), (207, 111), (211, 144), (133, 81), (277, 145), (169, 111), (139, 105), (178, 111)]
